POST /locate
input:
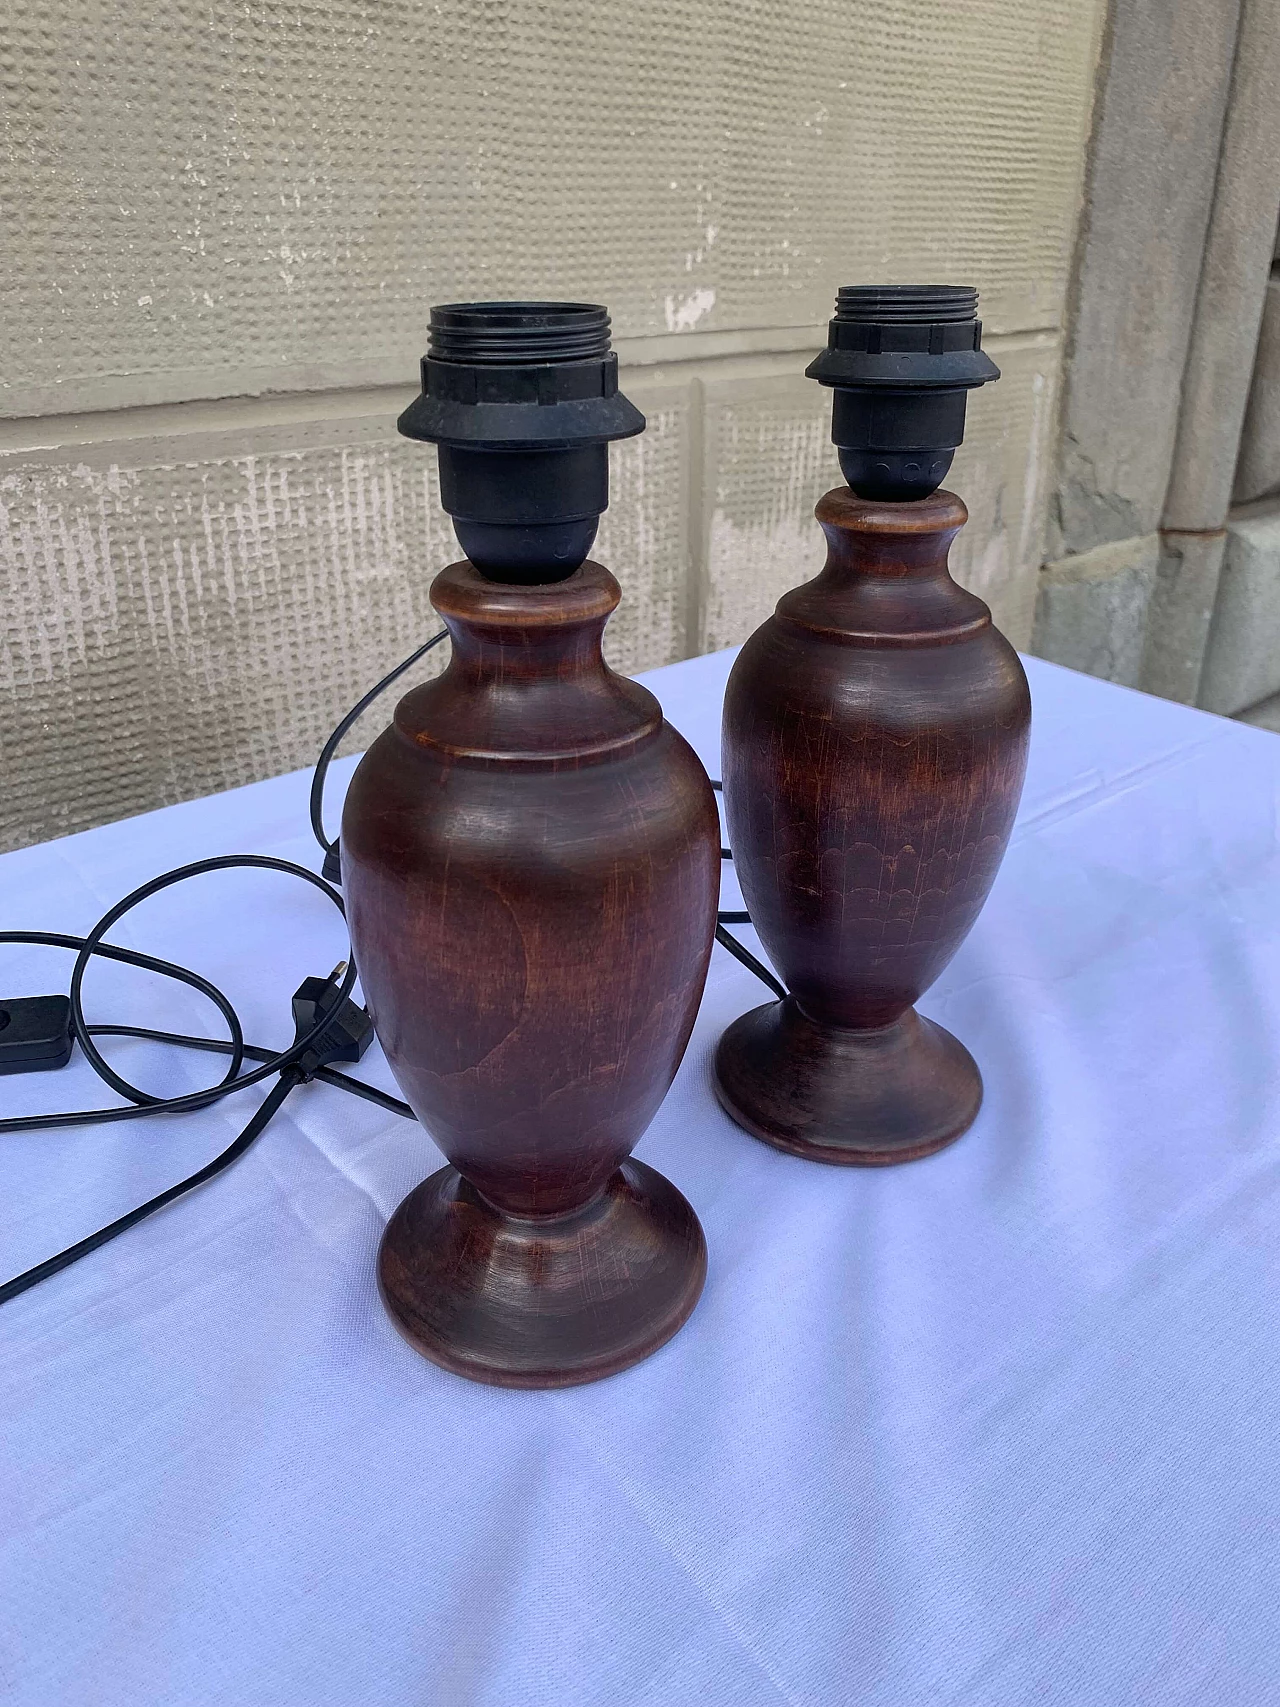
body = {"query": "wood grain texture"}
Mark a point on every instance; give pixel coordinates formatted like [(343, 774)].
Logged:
[(531, 862), (875, 738)]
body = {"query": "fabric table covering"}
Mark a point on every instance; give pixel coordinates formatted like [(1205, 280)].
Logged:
[(994, 1428)]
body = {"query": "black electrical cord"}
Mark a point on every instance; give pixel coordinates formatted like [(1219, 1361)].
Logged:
[(142, 1102), (144, 891), (745, 957), (289, 1079), (331, 850), (255, 1052), (131, 957), (327, 1005), (288, 1064), (212, 1045), (742, 955)]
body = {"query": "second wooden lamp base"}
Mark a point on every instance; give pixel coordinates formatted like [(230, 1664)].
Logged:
[(875, 738), (859, 1098)]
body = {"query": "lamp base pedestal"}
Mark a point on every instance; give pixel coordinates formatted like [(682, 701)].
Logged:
[(856, 1098), (548, 1302)]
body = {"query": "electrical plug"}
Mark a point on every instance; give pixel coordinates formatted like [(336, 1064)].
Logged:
[(346, 1037)]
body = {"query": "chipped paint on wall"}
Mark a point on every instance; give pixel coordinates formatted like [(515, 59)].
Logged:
[(683, 313)]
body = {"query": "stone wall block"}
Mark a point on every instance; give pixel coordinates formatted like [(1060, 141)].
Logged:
[(1263, 716), (1181, 610), (1091, 612), (1242, 657), (1158, 122), (1259, 471), (1233, 280)]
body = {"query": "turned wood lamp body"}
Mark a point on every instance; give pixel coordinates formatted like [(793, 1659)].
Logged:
[(875, 737), (530, 856)]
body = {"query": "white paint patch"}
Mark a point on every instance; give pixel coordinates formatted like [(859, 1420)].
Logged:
[(684, 315)]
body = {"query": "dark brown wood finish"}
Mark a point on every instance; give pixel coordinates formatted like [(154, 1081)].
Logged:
[(875, 739), (531, 863)]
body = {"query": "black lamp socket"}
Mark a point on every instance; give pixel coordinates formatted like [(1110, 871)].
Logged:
[(522, 401), (901, 360)]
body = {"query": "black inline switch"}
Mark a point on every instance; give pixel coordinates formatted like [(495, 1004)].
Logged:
[(521, 401), (35, 1034), (901, 361)]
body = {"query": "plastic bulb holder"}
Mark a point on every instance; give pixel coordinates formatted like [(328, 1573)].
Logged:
[(901, 360), (521, 400)]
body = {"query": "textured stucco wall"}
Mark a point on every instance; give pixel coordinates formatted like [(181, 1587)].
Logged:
[(224, 225)]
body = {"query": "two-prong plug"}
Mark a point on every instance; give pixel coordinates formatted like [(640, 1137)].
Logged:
[(346, 1037)]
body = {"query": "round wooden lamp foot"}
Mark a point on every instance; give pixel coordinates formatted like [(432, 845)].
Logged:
[(551, 1302), (856, 1098)]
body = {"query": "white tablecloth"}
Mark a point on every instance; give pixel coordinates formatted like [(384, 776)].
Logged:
[(995, 1428)]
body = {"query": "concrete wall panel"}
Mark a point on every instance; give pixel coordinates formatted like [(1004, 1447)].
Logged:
[(1163, 90), (224, 227), (769, 458), (1180, 613), (1263, 716), (205, 200), (1233, 280), (1091, 612), (188, 610), (1242, 658), (1259, 469), (186, 613)]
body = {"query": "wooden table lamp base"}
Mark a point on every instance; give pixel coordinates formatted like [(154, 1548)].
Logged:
[(856, 1098), (547, 1302)]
